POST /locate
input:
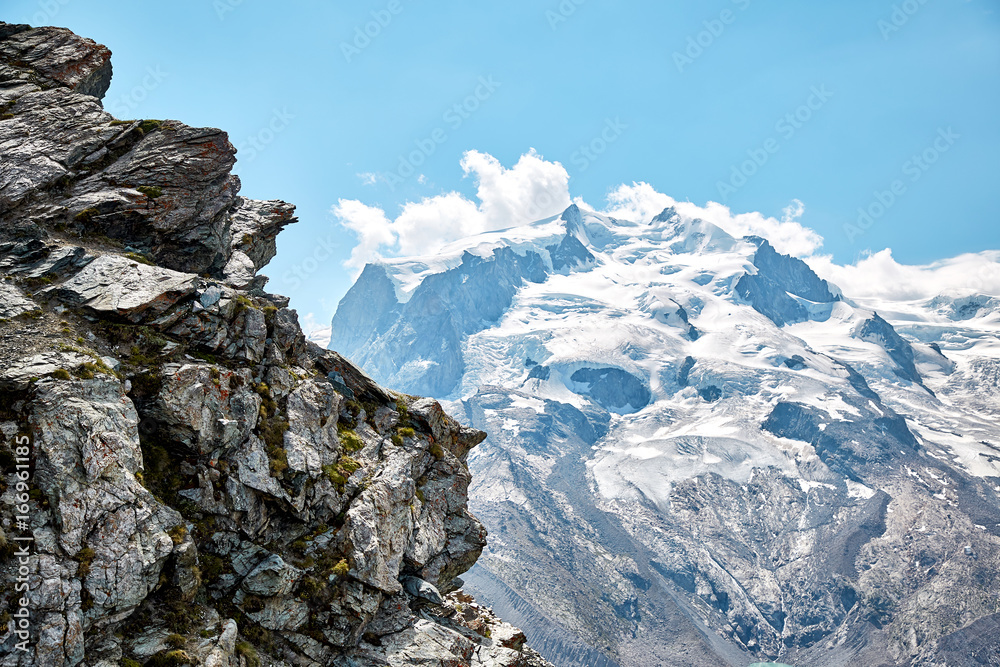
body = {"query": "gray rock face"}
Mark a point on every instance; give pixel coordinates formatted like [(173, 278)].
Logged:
[(13, 302), (478, 638), (118, 285), (87, 453), (613, 388), (199, 491), (54, 57), (255, 226), (425, 590), (878, 331), (778, 276), (206, 407), (169, 192)]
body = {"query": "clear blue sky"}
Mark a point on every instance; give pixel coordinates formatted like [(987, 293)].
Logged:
[(894, 85)]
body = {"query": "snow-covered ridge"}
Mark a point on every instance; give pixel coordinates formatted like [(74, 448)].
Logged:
[(643, 299), (614, 321)]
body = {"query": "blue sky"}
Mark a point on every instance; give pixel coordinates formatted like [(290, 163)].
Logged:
[(834, 100)]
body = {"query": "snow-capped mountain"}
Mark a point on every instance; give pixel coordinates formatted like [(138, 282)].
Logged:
[(700, 452)]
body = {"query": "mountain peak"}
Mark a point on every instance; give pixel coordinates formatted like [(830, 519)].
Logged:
[(668, 214)]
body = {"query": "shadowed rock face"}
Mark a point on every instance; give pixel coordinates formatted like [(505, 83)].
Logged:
[(878, 331), (206, 487), (791, 273), (886, 444), (778, 276), (418, 345), (613, 388), (569, 254)]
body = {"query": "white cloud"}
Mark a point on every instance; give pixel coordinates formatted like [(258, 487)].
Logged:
[(530, 190), (425, 226), (370, 225), (368, 178), (641, 202), (880, 276), (638, 202)]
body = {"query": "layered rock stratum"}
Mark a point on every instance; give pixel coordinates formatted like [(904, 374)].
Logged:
[(199, 484)]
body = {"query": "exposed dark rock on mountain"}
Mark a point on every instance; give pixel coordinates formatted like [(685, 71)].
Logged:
[(570, 252), (777, 277), (612, 388), (205, 487), (878, 331), (431, 324)]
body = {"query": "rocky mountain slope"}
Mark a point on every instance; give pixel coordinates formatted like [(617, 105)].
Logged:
[(699, 451), (186, 479)]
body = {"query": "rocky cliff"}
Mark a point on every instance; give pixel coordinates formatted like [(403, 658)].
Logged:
[(186, 479)]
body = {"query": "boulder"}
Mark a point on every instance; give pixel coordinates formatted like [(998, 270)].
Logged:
[(119, 286)]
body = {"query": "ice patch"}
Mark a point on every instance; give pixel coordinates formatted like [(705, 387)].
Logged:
[(528, 402), (858, 490)]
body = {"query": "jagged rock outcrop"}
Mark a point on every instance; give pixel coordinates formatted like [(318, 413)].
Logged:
[(778, 280), (878, 331), (201, 485)]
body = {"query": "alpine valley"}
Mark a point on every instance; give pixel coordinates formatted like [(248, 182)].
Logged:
[(699, 451)]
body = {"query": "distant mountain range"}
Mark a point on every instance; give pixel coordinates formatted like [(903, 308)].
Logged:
[(700, 452)]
